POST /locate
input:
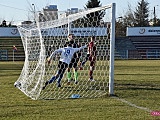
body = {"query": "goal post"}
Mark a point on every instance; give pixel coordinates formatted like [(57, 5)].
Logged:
[(48, 33), (112, 48)]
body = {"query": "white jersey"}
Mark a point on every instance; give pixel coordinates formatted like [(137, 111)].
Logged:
[(67, 53)]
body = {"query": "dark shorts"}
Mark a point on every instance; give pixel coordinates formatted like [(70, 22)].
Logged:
[(92, 60), (62, 67), (74, 63)]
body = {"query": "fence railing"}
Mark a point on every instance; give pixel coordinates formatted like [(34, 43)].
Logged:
[(139, 54)]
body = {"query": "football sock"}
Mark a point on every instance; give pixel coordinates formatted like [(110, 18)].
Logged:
[(59, 79), (90, 74), (52, 79), (75, 75), (69, 76), (83, 63)]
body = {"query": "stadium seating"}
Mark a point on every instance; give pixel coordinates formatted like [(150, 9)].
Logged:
[(147, 46), (125, 48), (7, 43)]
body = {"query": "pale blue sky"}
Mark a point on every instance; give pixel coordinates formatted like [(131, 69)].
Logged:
[(19, 10)]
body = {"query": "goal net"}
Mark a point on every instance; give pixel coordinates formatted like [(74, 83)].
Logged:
[(50, 32)]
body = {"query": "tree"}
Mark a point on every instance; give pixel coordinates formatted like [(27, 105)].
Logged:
[(141, 14), (157, 22), (119, 27), (94, 19), (125, 21)]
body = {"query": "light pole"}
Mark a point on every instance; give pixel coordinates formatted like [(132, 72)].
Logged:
[(154, 13), (34, 12)]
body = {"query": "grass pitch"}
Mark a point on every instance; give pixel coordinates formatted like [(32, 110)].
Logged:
[(137, 87)]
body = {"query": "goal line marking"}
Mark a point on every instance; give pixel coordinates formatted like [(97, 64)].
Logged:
[(133, 105)]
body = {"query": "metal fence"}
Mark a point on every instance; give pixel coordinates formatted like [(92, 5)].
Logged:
[(138, 54)]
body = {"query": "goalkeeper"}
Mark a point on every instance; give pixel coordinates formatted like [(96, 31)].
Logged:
[(65, 59), (74, 60)]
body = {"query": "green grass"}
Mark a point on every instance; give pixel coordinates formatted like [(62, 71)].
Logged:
[(137, 81)]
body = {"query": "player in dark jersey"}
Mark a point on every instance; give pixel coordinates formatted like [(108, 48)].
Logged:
[(91, 56), (74, 60)]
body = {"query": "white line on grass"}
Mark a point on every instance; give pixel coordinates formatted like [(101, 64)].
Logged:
[(133, 105)]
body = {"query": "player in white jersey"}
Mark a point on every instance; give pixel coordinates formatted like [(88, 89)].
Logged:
[(65, 59)]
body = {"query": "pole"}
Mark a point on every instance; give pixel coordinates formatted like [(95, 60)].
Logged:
[(154, 13), (34, 12), (112, 47), (13, 55)]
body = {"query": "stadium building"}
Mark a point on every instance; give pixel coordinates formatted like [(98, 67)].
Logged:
[(139, 43)]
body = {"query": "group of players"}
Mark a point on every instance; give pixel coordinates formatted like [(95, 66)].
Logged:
[(70, 57)]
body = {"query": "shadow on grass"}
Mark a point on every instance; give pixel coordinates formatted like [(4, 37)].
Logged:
[(129, 86)]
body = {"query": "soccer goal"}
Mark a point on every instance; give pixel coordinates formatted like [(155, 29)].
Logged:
[(48, 33)]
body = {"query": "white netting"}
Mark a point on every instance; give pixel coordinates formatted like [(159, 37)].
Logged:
[(49, 33)]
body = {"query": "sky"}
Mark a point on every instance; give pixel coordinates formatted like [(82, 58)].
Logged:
[(20, 10)]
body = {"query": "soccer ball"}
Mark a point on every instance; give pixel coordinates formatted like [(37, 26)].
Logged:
[(17, 84)]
